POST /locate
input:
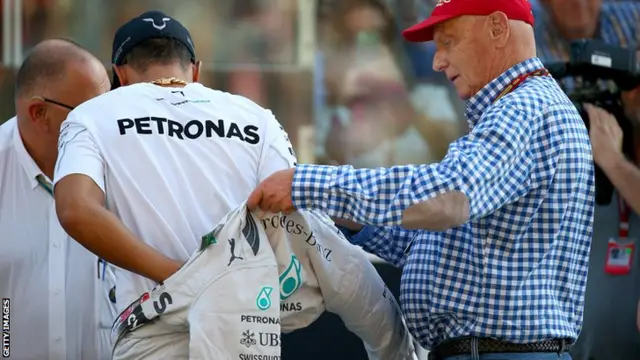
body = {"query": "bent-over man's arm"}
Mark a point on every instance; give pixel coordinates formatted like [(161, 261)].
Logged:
[(80, 197), (481, 172)]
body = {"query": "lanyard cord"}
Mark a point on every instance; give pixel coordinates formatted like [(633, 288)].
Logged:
[(623, 218), (520, 80)]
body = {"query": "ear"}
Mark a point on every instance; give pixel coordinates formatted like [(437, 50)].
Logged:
[(196, 71), (37, 111), (121, 74), (499, 30)]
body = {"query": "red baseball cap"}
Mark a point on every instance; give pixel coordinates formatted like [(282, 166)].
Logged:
[(449, 9)]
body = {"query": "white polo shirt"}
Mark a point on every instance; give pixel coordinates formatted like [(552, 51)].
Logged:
[(171, 161), (58, 307)]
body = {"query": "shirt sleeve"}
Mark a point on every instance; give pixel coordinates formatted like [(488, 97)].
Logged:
[(78, 153), (277, 153), (490, 166), (390, 243)]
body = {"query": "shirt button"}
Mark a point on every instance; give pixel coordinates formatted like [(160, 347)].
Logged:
[(56, 292), (58, 339), (56, 244)]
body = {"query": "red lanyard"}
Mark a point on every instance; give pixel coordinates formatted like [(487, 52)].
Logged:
[(519, 80), (623, 223)]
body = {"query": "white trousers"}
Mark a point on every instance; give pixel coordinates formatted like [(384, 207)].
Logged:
[(222, 304), (263, 275)]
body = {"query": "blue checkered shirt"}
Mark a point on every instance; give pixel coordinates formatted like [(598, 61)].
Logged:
[(517, 269)]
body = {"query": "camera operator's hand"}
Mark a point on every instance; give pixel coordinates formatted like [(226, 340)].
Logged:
[(631, 104), (606, 135), (638, 316)]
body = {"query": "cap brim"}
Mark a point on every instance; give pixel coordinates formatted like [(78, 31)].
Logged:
[(423, 31)]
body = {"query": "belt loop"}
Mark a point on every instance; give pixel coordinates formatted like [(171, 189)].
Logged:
[(563, 347), (475, 353)]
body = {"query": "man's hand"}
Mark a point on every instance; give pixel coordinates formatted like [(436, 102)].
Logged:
[(167, 269), (80, 210), (638, 316), (274, 193), (606, 135), (631, 104)]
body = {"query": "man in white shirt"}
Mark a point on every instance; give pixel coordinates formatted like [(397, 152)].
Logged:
[(55, 291), (169, 158)]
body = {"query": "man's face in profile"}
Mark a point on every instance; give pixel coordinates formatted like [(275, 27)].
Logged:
[(575, 19), (463, 54)]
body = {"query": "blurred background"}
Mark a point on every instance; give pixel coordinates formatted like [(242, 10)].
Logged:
[(336, 73)]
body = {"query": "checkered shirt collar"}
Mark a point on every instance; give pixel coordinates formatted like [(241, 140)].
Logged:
[(481, 101)]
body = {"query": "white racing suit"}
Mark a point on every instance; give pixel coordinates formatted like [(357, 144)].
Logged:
[(223, 303)]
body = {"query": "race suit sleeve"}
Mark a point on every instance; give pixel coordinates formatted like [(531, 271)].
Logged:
[(78, 153), (390, 243)]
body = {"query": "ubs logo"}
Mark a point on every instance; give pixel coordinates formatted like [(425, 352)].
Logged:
[(248, 339)]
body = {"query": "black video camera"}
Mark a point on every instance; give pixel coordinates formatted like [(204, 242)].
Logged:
[(596, 73)]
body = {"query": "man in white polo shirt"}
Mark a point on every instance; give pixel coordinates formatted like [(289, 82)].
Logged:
[(54, 291), (169, 158)]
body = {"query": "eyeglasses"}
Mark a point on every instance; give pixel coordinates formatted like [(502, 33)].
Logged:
[(53, 102)]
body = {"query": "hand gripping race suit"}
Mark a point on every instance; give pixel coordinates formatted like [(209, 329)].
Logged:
[(233, 298)]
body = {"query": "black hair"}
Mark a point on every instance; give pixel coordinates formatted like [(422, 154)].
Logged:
[(158, 51), (46, 64)]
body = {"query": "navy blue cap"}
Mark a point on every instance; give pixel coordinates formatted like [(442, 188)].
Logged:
[(150, 25)]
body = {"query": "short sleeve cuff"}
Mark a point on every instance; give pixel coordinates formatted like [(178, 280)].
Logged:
[(78, 154), (311, 185)]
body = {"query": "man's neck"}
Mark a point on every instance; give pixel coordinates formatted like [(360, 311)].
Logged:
[(44, 158), (165, 72), (588, 32), (508, 62)]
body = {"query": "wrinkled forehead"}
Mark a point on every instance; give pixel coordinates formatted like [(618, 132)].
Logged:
[(457, 27), (559, 5)]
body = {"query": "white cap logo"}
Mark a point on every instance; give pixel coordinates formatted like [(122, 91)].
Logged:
[(153, 22), (442, 2)]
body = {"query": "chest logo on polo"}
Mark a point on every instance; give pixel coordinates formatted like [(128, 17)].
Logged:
[(189, 130)]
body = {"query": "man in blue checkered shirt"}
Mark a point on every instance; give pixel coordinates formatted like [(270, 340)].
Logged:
[(494, 240)]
